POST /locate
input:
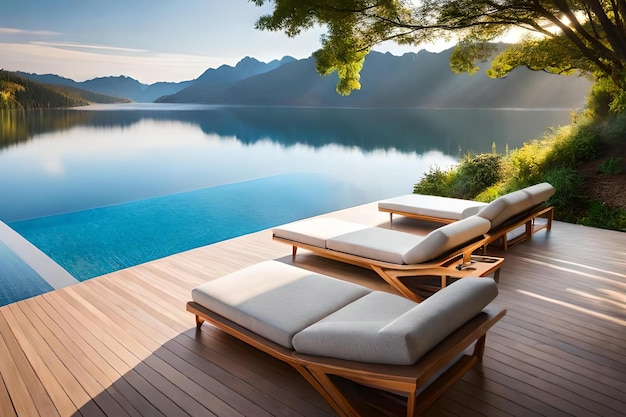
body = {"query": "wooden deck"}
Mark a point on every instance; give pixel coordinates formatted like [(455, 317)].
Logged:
[(123, 344)]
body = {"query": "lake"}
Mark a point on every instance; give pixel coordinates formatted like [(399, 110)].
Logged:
[(105, 187)]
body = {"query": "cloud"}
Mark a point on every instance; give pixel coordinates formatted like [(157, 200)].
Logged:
[(22, 32), (78, 46), (81, 64)]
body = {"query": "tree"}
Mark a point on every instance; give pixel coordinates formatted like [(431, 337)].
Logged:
[(561, 36)]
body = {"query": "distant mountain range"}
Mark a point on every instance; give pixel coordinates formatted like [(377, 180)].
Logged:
[(422, 79)]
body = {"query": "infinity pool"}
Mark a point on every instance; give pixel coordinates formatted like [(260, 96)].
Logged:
[(94, 242)]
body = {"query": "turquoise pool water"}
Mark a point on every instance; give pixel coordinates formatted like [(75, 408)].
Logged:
[(94, 242)]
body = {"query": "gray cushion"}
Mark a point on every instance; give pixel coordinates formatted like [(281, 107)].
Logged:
[(540, 193), (394, 246), (388, 329), (444, 239), (510, 205), (276, 300), (315, 232), (376, 243), (433, 206)]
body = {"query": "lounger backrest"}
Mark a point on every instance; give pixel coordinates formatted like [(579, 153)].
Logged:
[(443, 239), (432, 320), (510, 205), (385, 328), (540, 193)]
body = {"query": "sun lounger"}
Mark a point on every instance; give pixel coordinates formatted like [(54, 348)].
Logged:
[(430, 207), (397, 256), (509, 212), (362, 350), (518, 209)]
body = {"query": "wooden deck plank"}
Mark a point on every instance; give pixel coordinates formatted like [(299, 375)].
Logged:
[(123, 344), (6, 404), (28, 395)]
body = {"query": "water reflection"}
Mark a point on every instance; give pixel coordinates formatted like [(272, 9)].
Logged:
[(60, 161), (406, 130)]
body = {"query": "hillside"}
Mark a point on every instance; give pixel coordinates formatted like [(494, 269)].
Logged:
[(17, 92)]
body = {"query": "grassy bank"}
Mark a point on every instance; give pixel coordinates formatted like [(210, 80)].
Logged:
[(585, 162)]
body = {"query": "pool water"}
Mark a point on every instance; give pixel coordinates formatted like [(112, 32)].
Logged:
[(94, 242), (17, 279)]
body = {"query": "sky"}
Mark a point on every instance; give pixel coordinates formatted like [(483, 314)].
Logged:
[(148, 40)]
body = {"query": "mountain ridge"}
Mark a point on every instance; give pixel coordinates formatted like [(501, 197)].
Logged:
[(422, 79)]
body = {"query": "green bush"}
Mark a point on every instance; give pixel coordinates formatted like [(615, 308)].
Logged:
[(601, 216), (580, 143), (436, 182), (611, 166), (475, 174), (525, 164), (566, 182)]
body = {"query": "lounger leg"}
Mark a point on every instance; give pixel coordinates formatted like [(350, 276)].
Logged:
[(294, 249), (479, 348), (340, 403), (199, 321)]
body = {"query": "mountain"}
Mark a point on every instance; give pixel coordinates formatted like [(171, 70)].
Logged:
[(19, 92), (212, 79), (120, 86), (422, 79), (217, 81)]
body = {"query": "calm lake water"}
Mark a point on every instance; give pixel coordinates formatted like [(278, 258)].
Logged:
[(60, 161), (106, 187)]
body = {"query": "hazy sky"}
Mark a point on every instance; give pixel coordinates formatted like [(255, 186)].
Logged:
[(149, 40)]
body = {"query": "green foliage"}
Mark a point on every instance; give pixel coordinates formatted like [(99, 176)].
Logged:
[(593, 42), (566, 182), (611, 166), (554, 158), (524, 164), (580, 144), (477, 173), (473, 176), (465, 56), (601, 216), (17, 92), (436, 182), (553, 55)]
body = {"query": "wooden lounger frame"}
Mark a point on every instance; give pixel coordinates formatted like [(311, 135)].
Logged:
[(527, 220), (356, 389), (459, 263), (415, 216)]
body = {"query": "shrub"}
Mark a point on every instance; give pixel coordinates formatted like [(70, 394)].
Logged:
[(602, 216), (524, 164), (436, 182), (566, 199), (611, 166), (475, 174)]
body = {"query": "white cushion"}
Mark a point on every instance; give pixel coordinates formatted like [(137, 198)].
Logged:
[(276, 300), (376, 243), (510, 205), (445, 238), (433, 206), (315, 232), (540, 193), (388, 329)]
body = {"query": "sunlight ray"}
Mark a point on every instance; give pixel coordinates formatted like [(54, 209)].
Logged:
[(575, 308), (574, 271), (604, 271), (592, 297)]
